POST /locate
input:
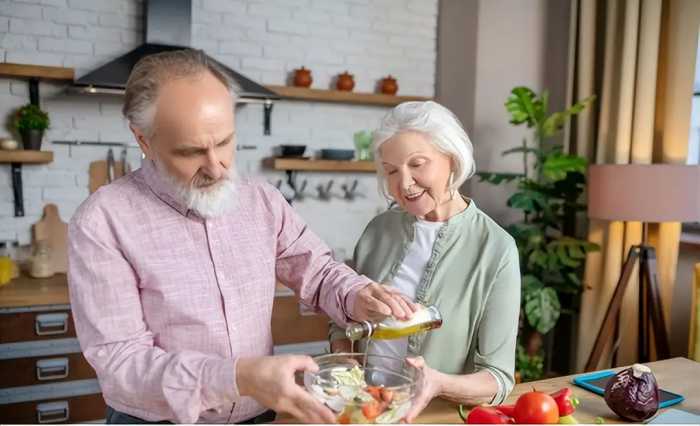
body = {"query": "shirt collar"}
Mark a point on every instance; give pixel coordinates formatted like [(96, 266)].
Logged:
[(162, 188), (449, 225)]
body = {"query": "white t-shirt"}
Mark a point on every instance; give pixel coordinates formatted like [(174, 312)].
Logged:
[(407, 279)]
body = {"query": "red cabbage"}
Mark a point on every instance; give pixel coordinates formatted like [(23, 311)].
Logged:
[(633, 393)]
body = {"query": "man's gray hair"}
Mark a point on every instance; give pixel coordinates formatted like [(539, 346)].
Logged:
[(153, 71)]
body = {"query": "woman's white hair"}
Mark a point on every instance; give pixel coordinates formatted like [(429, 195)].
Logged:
[(443, 129)]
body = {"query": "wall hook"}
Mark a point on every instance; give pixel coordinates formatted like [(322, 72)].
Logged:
[(324, 192), (351, 191)]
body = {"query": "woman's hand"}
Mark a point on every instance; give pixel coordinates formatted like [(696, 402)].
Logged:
[(429, 387)]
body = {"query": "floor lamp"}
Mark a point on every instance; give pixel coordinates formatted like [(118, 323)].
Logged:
[(652, 193)]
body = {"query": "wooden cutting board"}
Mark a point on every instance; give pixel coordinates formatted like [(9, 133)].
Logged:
[(98, 173), (55, 231)]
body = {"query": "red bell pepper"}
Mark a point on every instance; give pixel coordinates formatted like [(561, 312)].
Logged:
[(485, 415), (566, 402), (507, 409)]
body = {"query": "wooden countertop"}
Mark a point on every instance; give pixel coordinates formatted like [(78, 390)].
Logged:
[(671, 374), (26, 291), (677, 375)]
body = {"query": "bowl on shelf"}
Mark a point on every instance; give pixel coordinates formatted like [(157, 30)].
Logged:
[(337, 154), (362, 388), (290, 151)]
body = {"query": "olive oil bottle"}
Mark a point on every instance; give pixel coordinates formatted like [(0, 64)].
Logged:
[(426, 318)]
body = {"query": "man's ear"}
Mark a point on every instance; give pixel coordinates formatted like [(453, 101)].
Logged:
[(143, 142)]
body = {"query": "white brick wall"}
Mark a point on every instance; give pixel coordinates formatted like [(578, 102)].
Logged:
[(265, 40)]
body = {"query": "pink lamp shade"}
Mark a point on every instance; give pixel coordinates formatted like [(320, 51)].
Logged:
[(649, 193)]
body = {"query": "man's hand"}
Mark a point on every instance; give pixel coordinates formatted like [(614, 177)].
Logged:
[(270, 381), (376, 302)]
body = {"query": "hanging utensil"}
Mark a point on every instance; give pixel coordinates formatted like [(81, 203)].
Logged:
[(125, 164), (110, 165)]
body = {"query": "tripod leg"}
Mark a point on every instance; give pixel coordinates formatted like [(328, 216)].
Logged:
[(648, 258), (643, 337), (606, 328)]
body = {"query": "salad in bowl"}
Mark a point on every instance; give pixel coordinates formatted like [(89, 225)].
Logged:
[(363, 388)]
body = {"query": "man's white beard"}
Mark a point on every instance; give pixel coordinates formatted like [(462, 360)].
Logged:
[(209, 202)]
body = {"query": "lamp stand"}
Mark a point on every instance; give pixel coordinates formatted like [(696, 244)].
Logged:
[(649, 304)]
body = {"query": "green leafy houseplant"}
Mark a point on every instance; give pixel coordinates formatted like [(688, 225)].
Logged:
[(529, 366), (548, 193), (31, 117), (30, 122)]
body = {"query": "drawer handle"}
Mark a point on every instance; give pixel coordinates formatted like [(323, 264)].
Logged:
[(52, 369), (46, 324), (52, 412)]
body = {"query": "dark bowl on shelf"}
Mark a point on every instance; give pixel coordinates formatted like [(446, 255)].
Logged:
[(337, 154), (291, 150)]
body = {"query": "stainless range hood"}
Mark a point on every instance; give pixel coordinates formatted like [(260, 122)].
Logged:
[(168, 26)]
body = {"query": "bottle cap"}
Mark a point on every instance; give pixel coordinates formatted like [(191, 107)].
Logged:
[(359, 330)]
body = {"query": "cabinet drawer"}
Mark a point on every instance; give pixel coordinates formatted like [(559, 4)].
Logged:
[(28, 326), (290, 326), (64, 410), (44, 369)]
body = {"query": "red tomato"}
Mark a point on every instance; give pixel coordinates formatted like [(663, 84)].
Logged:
[(371, 410), (536, 408), (487, 415), (375, 391), (387, 395)]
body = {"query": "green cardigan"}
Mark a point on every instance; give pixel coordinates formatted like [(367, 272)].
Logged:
[(472, 276)]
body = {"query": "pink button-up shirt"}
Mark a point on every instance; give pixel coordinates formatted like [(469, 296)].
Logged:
[(165, 302)]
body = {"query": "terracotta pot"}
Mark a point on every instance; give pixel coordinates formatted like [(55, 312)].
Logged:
[(345, 82), (389, 86), (302, 77)]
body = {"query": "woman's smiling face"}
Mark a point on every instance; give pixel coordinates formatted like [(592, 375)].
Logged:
[(417, 174)]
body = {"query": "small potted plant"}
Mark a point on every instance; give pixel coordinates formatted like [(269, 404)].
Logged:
[(30, 122)]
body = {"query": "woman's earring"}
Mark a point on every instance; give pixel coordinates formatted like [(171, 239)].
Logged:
[(450, 182)]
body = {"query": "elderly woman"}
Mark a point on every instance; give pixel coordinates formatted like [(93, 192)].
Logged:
[(438, 248)]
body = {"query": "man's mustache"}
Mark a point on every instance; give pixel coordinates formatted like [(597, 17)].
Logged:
[(201, 181)]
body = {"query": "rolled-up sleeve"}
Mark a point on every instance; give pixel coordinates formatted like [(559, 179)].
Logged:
[(305, 264), (135, 375), (498, 328)]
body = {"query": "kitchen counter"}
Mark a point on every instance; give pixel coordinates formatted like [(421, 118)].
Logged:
[(677, 375), (26, 291)]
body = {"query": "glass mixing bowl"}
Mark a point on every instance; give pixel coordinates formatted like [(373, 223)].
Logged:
[(364, 388)]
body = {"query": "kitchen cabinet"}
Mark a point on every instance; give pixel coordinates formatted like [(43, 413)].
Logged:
[(45, 378)]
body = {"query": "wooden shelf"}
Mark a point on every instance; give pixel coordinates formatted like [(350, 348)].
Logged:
[(296, 164), (36, 71), (26, 156), (304, 94)]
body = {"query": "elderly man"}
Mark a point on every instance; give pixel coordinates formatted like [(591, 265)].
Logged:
[(173, 267)]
